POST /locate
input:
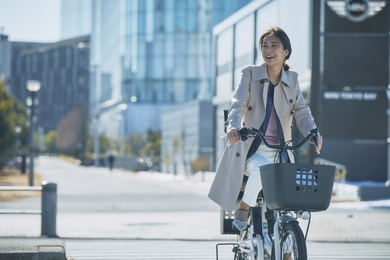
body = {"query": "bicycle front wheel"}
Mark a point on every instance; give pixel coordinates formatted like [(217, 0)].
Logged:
[(293, 244)]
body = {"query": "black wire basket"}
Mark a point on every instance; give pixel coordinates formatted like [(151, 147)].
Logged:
[(297, 186)]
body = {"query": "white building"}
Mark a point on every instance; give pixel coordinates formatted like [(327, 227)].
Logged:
[(187, 137)]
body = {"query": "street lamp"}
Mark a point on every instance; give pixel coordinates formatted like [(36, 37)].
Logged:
[(18, 130), (122, 125), (33, 87)]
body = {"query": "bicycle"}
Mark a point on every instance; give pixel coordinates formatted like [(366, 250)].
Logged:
[(273, 230)]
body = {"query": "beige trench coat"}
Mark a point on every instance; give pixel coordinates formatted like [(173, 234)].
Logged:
[(248, 109)]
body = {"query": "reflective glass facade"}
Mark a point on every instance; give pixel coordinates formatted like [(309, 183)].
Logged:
[(168, 48), (75, 18), (157, 51)]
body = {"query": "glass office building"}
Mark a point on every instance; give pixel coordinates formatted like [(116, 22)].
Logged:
[(154, 52), (5, 57), (168, 48), (75, 18)]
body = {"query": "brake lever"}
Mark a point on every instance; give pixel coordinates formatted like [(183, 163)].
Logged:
[(314, 137)]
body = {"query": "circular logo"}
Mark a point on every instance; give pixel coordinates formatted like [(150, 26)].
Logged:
[(356, 10)]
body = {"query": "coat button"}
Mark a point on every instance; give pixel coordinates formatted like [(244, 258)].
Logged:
[(249, 108), (291, 101), (238, 154)]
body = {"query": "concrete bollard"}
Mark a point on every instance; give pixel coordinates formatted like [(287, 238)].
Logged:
[(49, 209)]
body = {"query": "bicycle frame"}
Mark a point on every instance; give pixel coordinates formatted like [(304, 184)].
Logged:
[(260, 246)]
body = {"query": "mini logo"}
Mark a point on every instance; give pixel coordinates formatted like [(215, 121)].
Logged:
[(356, 10)]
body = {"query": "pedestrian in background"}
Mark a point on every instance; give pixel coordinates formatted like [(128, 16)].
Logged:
[(111, 160), (267, 98)]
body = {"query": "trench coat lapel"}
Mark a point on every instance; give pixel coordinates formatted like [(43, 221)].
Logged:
[(265, 93), (285, 83), (260, 74)]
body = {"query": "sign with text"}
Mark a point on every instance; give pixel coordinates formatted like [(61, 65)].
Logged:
[(354, 114)]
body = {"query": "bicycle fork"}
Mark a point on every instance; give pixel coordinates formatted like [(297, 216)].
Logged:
[(305, 215), (277, 237), (262, 244)]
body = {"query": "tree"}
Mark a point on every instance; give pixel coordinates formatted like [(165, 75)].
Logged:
[(200, 164), (152, 147), (12, 115), (134, 144), (105, 144), (50, 142), (72, 132)]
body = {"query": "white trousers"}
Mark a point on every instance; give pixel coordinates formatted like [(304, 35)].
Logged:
[(264, 155)]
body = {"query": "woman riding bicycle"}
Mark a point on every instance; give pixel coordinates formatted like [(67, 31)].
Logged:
[(267, 98)]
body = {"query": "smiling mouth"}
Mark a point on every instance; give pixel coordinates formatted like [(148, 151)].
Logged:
[(269, 57)]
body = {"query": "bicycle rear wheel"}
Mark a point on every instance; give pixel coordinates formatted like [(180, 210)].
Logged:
[(293, 244)]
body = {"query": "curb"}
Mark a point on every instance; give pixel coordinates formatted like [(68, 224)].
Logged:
[(43, 253), (31, 249)]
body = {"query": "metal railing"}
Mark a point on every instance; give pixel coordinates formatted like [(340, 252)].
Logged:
[(48, 210)]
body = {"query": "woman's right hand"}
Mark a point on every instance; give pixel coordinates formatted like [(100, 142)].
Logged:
[(232, 135)]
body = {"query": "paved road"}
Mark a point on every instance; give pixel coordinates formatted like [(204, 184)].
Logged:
[(86, 190), (121, 215), (151, 249)]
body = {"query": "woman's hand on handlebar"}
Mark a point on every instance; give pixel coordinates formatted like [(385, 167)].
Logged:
[(232, 135), (319, 143)]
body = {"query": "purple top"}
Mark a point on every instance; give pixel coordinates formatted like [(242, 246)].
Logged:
[(271, 135)]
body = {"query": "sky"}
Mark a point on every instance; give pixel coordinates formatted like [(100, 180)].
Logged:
[(31, 20)]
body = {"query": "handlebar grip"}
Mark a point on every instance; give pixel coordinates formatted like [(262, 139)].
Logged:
[(243, 133), (314, 138)]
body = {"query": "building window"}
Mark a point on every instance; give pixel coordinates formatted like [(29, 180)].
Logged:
[(225, 51), (266, 18), (244, 46)]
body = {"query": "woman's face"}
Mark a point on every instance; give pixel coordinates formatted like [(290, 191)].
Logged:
[(272, 51)]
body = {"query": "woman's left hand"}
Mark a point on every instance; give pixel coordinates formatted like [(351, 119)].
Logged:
[(319, 143)]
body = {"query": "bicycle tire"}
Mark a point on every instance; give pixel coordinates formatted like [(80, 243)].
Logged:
[(292, 235)]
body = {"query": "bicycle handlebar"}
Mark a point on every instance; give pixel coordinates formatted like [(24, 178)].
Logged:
[(245, 133)]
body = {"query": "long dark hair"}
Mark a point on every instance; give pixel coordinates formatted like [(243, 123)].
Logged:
[(282, 36)]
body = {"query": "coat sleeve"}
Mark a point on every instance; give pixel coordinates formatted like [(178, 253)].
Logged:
[(302, 114), (239, 100)]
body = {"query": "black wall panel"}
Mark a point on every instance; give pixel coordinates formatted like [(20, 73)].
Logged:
[(350, 76)]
